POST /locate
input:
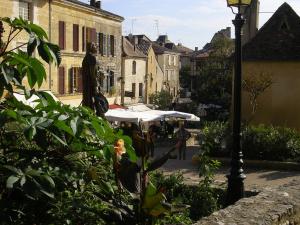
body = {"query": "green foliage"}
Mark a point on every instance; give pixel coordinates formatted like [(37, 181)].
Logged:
[(202, 199), (161, 99), (215, 75), (55, 160), (271, 143), (258, 142)]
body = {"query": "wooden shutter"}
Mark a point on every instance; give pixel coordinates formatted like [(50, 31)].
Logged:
[(79, 80), (115, 46), (83, 39), (101, 42), (61, 35), (133, 90), (93, 35), (71, 80), (108, 45), (61, 80), (75, 37), (140, 89), (104, 45), (112, 45)]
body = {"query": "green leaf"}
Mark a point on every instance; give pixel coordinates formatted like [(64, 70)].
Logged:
[(31, 77), (11, 181), (73, 124), (38, 31), (13, 169), (63, 126), (50, 181), (39, 70), (55, 53), (23, 181), (31, 45), (50, 195)]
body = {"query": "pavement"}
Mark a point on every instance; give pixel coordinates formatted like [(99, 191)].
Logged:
[(256, 179)]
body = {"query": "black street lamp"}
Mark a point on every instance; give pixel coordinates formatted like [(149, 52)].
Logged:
[(235, 190)]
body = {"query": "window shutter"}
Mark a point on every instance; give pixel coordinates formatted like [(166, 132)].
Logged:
[(83, 39), (133, 90), (140, 89), (61, 34), (61, 80), (71, 80), (104, 45), (93, 35), (108, 45), (75, 37), (79, 79), (112, 45), (101, 44), (115, 46), (112, 79)]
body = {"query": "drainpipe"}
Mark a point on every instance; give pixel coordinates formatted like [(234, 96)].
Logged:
[(146, 81), (49, 31)]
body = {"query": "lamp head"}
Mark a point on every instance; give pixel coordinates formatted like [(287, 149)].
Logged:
[(238, 3)]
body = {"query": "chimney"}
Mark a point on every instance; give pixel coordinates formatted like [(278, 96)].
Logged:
[(98, 4), (92, 3), (196, 49)]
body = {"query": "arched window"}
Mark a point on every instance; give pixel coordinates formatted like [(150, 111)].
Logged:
[(134, 67)]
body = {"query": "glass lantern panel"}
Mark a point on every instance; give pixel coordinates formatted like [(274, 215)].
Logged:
[(238, 2)]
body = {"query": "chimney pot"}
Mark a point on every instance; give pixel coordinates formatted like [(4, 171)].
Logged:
[(196, 48), (98, 4), (92, 3)]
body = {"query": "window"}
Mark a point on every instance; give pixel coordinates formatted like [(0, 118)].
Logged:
[(61, 80), (175, 60), (167, 75), (133, 90), (75, 37), (62, 35), (134, 67), (75, 80), (156, 87), (24, 10), (112, 45), (140, 89), (112, 79)]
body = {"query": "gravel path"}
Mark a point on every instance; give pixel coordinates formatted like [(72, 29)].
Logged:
[(256, 179)]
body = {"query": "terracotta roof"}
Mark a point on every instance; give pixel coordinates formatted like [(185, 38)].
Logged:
[(94, 8), (130, 50), (278, 39)]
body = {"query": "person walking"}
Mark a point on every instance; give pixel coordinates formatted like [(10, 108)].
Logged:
[(182, 136)]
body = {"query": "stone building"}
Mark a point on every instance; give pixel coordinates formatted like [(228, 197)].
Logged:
[(169, 61), (72, 24), (154, 73), (134, 67), (275, 51)]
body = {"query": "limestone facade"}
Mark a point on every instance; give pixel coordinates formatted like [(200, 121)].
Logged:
[(71, 24), (134, 74)]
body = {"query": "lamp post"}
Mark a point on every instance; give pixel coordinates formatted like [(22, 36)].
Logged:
[(235, 190)]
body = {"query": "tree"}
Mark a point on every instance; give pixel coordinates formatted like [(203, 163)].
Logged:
[(255, 85), (161, 99), (215, 73)]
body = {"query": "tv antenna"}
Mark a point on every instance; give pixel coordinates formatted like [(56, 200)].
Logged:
[(157, 26), (132, 24)]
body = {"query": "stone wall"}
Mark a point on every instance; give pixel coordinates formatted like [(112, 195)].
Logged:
[(272, 206)]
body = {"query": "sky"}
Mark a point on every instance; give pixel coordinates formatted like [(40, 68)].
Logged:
[(190, 22)]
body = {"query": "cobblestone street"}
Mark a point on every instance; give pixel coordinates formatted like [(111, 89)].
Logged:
[(256, 178)]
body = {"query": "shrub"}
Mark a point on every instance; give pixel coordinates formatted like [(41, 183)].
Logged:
[(258, 142)]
